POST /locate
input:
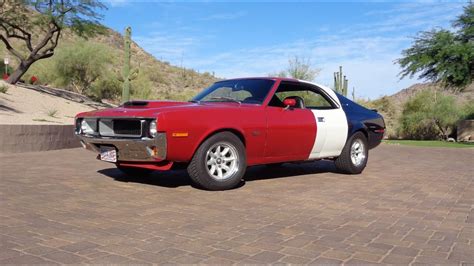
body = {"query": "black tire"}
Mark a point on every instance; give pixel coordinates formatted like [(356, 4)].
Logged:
[(344, 162), (134, 171), (198, 168)]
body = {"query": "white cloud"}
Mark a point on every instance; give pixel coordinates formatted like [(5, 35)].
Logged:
[(368, 62), (366, 51), (169, 47)]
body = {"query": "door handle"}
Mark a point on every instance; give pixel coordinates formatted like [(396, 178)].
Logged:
[(321, 119)]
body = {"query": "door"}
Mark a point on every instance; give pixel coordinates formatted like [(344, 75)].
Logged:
[(317, 129), (290, 134)]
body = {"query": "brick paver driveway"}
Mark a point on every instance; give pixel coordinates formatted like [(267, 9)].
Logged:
[(411, 205)]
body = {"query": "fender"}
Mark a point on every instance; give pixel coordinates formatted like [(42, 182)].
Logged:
[(212, 131), (185, 135)]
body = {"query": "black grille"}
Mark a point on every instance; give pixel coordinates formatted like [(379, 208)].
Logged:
[(128, 127), (120, 127)]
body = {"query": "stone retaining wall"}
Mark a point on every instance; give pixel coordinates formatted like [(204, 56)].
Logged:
[(26, 138)]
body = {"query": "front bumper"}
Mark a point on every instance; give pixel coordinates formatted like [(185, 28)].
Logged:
[(129, 150)]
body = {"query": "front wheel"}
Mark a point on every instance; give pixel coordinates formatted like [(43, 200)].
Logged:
[(219, 163), (354, 156)]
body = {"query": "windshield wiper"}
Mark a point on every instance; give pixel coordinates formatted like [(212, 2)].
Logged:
[(229, 99), (195, 101)]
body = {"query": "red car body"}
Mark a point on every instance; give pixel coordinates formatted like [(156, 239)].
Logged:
[(269, 134)]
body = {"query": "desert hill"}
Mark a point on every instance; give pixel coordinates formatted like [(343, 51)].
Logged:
[(156, 79)]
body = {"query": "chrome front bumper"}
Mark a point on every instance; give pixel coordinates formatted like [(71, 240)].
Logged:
[(138, 150)]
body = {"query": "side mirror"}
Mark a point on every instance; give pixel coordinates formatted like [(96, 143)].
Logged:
[(289, 102)]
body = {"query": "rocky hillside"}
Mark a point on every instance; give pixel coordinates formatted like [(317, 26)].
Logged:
[(164, 80), (399, 98)]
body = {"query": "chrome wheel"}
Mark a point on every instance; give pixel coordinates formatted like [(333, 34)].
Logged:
[(222, 160), (358, 152)]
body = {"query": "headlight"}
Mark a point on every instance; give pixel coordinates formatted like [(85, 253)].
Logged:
[(88, 126), (153, 130)]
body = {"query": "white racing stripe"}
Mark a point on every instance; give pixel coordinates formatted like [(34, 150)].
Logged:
[(332, 129), (331, 134)]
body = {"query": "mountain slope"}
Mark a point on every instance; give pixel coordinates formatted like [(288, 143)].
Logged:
[(156, 79)]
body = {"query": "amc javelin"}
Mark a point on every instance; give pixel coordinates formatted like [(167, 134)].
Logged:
[(231, 125)]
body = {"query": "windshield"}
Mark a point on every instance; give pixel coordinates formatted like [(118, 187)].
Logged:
[(238, 90)]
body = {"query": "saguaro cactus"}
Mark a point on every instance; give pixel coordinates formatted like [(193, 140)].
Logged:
[(127, 73), (340, 82), (126, 65)]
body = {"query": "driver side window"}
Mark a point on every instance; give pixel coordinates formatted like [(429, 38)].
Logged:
[(311, 98)]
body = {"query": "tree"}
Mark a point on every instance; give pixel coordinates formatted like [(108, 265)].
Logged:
[(37, 26), (443, 56), (299, 68), (429, 115)]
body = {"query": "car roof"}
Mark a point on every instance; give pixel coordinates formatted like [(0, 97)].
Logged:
[(280, 78), (268, 78)]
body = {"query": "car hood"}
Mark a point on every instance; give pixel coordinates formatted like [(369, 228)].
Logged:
[(151, 108)]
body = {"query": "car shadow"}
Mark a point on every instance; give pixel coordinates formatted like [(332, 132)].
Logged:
[(168, 179), (178, 178)]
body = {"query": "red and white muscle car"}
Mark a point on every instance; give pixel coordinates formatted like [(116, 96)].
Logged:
[(232, 125)]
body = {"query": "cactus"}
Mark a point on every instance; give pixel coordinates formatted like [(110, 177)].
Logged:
[(340, 82), (127, 73)]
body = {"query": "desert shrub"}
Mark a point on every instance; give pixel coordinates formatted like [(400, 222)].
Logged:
[(52, 112), (429, 115), (44, 71), (141, 87), (156, 77), (3, 88), (468, 110), (106, 87), (81, 64)]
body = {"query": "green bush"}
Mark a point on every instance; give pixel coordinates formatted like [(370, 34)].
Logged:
[(45, 71), (80, 65), (106, 87), (3, 88), (468, 110), (141, 88), (429, 115)]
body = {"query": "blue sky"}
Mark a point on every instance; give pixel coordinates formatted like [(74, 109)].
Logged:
[(235, 39)]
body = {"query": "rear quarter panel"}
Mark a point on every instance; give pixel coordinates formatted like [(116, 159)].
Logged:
[(362, 119)]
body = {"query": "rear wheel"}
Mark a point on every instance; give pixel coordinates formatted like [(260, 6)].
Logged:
[(354, 156), (135, 171), (219, 163)]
